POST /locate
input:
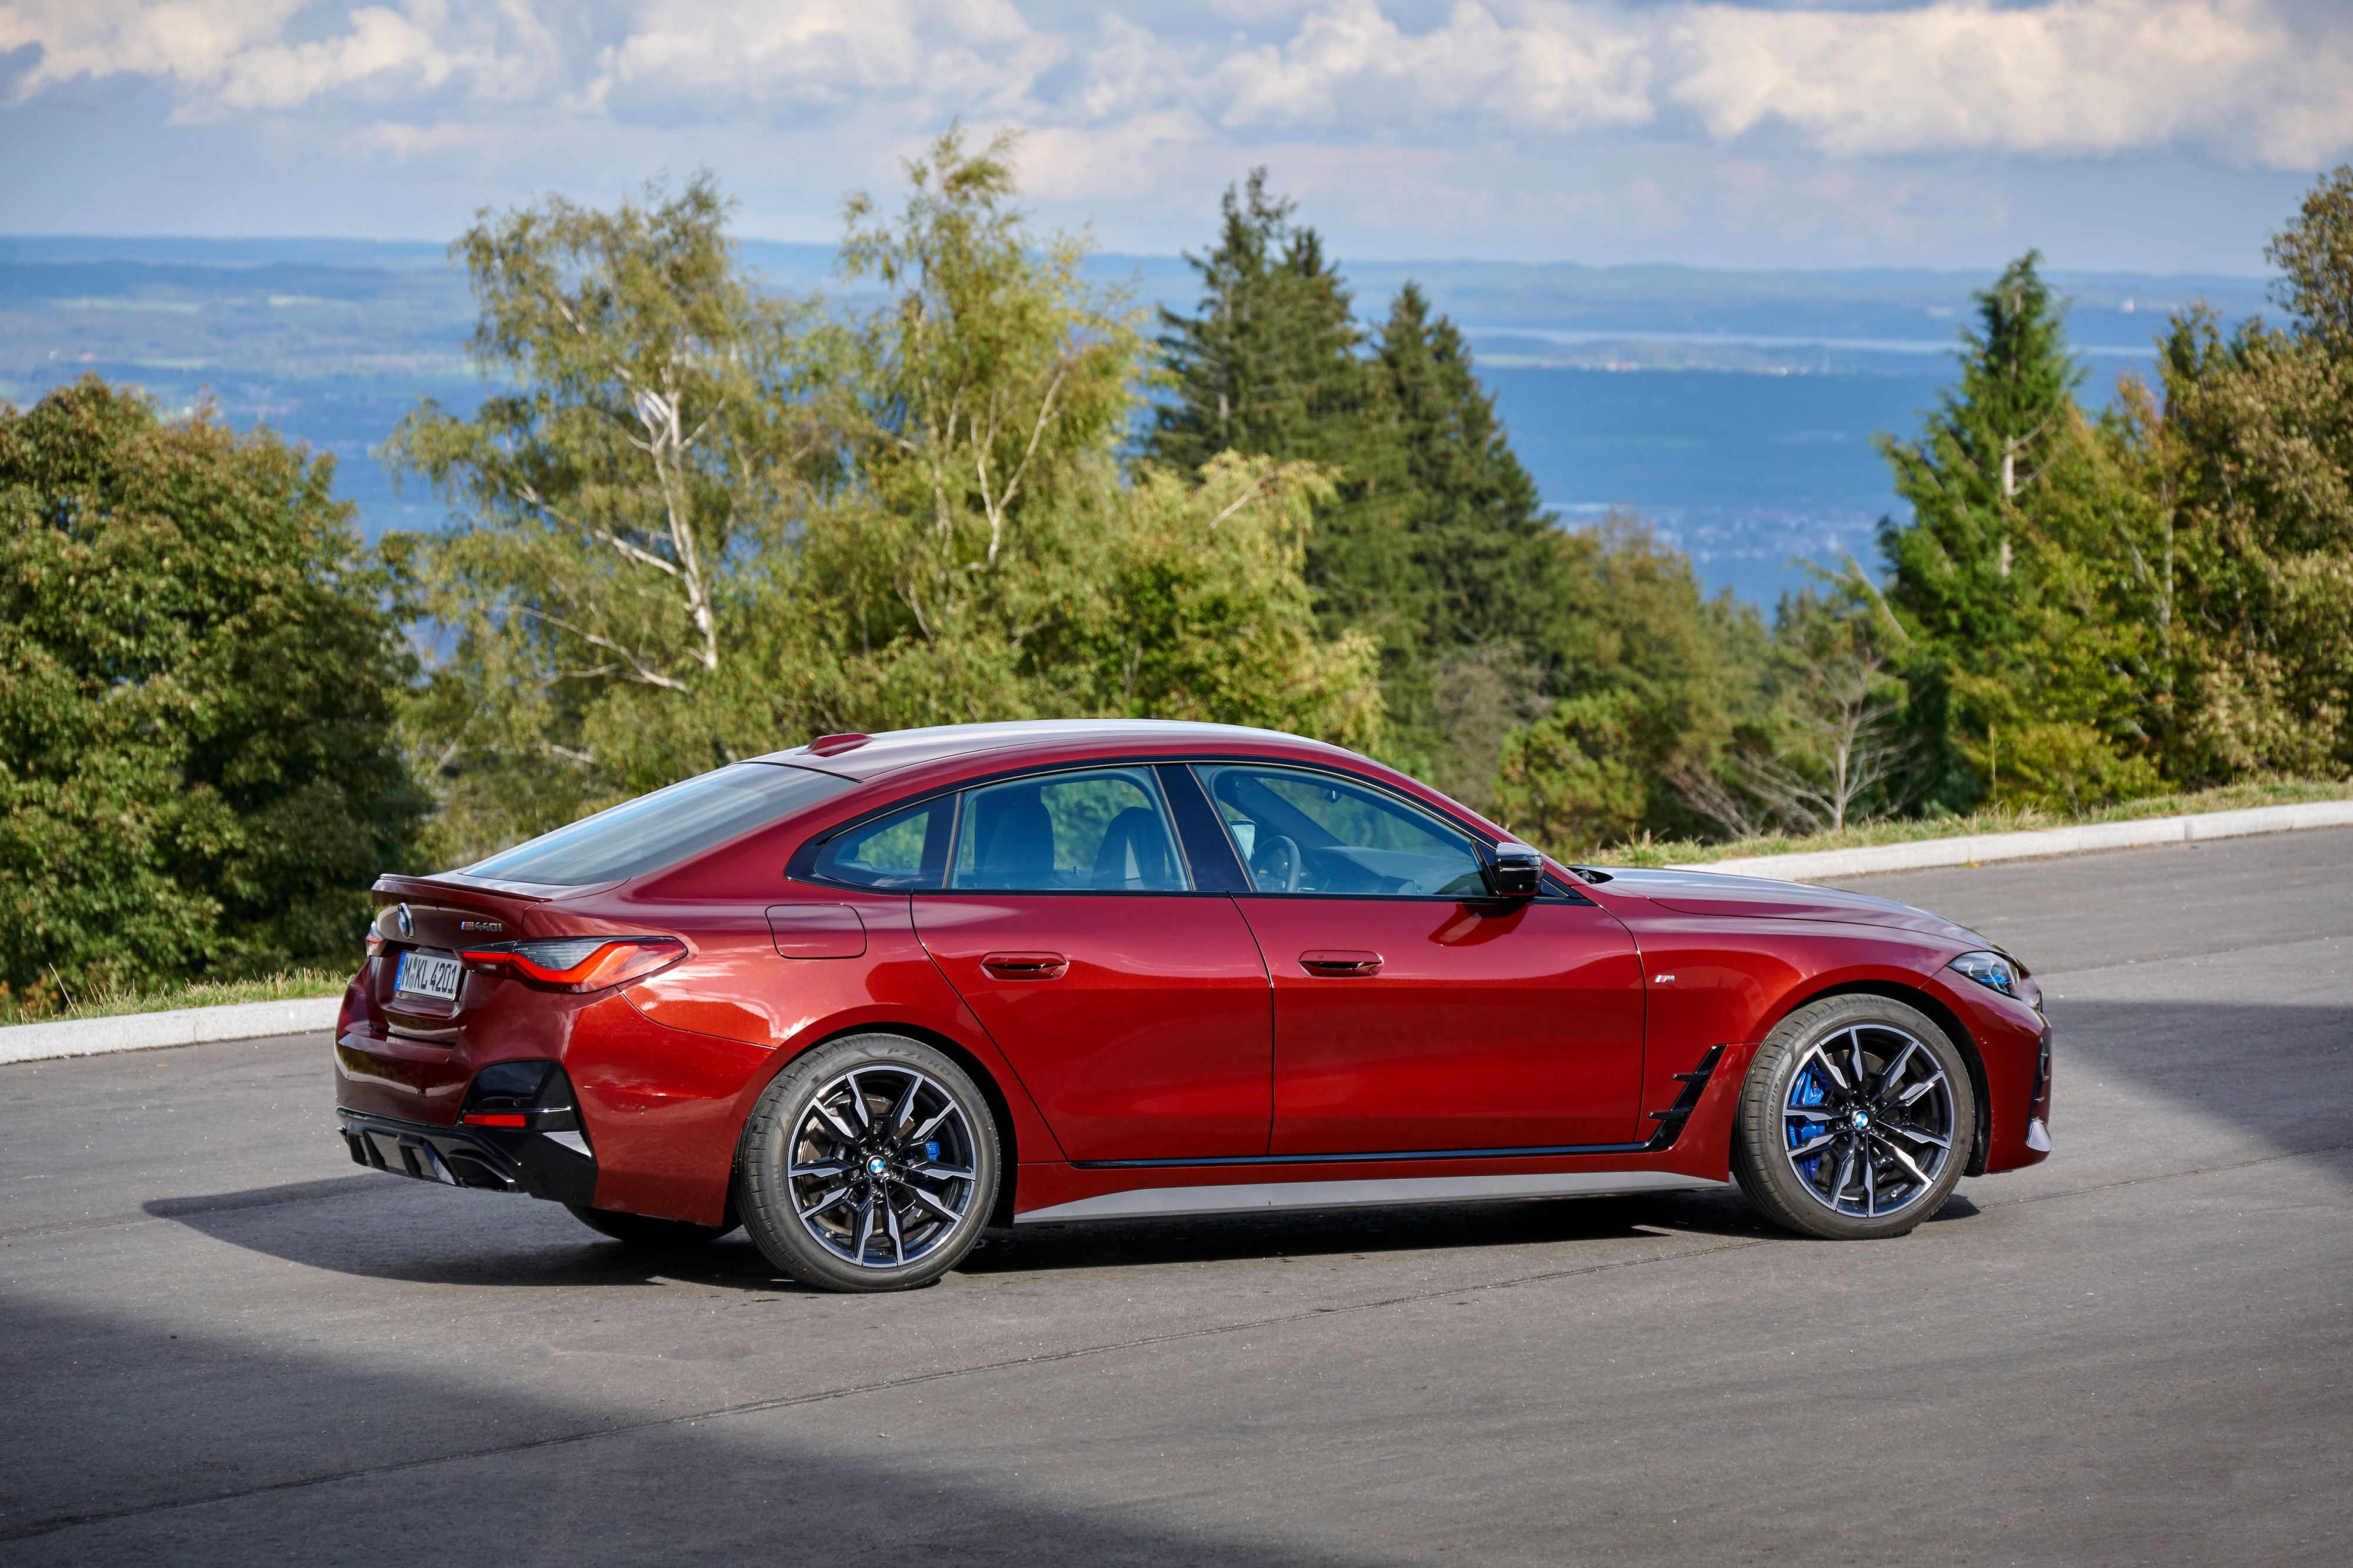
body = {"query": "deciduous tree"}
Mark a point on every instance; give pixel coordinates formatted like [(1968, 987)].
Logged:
[(199, 666)]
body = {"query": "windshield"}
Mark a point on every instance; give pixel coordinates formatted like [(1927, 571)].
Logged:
[(662, 828)]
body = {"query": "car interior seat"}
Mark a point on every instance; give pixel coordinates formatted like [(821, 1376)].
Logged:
[(1134, 854)]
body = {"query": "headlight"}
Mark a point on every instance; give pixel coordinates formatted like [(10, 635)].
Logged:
[(1991, 970)]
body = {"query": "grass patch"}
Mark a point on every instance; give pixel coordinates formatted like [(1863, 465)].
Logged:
[(47, 1006), (1999, 819)]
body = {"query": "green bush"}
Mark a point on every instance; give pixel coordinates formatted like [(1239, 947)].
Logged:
[(2067, 768), (1575, 778), (198, 671)]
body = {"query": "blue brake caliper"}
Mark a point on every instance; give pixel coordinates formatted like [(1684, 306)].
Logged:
[(1807, 1090)]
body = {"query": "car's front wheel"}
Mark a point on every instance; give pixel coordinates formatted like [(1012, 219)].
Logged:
[(1856, 1120), (870, 1164)]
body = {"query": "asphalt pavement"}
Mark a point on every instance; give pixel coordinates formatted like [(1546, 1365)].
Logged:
[(219, 1342)]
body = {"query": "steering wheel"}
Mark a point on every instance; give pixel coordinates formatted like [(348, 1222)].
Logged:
[(1276, 859)]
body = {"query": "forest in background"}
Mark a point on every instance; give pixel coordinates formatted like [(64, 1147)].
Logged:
[(701, 521)]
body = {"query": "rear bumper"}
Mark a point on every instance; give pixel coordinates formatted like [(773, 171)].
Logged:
[(554, 1165)]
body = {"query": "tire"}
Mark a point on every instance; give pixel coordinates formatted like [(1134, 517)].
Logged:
[(868, 1164), (1882, 1159), (644, 1230)]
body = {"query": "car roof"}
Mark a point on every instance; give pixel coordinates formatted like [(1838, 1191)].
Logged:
[(1049, 740)]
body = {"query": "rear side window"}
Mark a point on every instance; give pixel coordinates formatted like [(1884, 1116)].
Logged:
[(907, 849), (1104, 829), (661, 829)]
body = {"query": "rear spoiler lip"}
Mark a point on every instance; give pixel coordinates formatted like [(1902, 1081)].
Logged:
[(458, 882)]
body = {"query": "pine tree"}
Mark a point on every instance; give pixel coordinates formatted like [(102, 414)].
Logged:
[(1987, 482), (1271, 367), (1973, 474), (1482, 539), (1436, 545)]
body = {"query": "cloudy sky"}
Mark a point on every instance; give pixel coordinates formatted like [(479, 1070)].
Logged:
[(2157, 135)]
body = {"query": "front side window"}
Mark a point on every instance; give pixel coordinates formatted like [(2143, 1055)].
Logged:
[(907, 849), (661, 829), (1104, 829), (1300, 832)]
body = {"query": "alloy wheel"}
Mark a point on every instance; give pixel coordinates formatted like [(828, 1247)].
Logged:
[(881, 1167), (1868, 1123)]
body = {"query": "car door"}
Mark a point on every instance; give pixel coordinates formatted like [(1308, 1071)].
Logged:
[(1135, 1005), (1412, 1013)]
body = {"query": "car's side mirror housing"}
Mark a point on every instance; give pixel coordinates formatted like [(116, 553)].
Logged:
[(1515, 871)]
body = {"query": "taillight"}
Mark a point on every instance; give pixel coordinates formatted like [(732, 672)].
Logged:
[(579, 962), (374, 945)]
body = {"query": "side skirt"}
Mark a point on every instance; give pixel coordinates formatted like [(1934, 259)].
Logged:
[(1144, 1202)]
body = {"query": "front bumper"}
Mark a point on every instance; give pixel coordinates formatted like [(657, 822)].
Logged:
[(2038, 1106), (557, 1165)]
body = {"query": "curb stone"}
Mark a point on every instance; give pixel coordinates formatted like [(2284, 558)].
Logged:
[(1978, 849), (181, 1026)]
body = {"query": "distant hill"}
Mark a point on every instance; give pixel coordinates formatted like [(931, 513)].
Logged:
[(1735, 408)]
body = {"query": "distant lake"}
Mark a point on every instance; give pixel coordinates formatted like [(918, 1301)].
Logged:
[(1744, 435), (1750, 473), (1746, 471)]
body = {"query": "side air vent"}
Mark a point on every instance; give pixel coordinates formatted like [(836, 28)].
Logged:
[(1671, 1121)]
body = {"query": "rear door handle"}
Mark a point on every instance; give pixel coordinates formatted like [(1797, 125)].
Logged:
[(1026, 965), (1340, 966)]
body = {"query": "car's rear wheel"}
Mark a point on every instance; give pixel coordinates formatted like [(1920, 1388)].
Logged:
[(868, 1164), (644, 1230), (1856, 1120)]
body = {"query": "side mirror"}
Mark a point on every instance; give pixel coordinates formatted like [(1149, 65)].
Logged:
[(1515, 871)]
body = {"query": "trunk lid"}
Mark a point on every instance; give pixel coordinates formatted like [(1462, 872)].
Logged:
[(437, 918)]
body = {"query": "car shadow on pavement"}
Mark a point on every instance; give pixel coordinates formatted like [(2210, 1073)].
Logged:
[(187, 1454), (1339, 1233), (476, 1246), (473, 1246), (1727, 1215)]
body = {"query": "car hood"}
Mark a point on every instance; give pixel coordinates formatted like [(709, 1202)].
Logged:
[(1755, 898)]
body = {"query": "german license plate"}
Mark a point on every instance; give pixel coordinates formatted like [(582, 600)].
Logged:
[(428, 974)]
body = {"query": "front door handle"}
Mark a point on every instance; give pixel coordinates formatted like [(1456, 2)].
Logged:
[(1340, 966), (1027, 965)]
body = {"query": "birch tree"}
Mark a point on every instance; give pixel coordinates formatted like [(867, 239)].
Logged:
[(643, 431), (701, 523)]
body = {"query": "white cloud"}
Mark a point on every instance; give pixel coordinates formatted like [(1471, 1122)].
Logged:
[(235, 56), (2257, 81), (401, 140), (2071, 77), (191, 40), (2064, 77), (1558, 68), (1141, 153), (681, 56)]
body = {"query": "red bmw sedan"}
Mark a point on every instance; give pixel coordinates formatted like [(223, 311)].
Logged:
[(871, 996)]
